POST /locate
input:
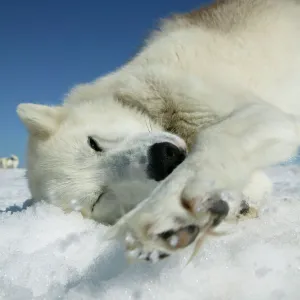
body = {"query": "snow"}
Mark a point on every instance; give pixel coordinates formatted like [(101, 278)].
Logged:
[(46, 254)]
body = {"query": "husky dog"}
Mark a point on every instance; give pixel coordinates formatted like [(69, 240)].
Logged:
[(221, 82), (9, 162)]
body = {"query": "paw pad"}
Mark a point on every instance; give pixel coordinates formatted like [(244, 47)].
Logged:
[(180, 238), (172, 239)]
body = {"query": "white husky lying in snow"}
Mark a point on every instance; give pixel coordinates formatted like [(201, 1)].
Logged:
[(223, 80), (11, 162)]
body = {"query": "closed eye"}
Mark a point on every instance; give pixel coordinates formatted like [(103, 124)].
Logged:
[(94, 145)]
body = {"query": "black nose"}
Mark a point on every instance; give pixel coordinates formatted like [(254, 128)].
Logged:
[(163, 159), (220, 209)]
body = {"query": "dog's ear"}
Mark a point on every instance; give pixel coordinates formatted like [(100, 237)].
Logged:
[(41, 120)]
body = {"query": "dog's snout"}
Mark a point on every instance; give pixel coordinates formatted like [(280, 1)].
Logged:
[(220, 210), (163, 159)]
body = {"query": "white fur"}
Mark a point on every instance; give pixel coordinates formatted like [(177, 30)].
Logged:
[(11, 162), (228, 84)]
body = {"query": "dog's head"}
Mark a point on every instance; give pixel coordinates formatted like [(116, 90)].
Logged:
[(100, 159), (14, 157)]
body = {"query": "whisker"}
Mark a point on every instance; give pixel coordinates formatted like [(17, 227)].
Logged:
[(150, 123), (146, 121), (217, 234), (200, 241), (207, 231)]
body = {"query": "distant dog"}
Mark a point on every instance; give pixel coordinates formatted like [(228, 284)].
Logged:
[(11, 162)]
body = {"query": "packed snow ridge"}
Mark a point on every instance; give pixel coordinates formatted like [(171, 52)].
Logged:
[(46, 254)]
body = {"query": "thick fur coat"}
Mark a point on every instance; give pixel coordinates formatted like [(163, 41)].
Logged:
[(222, 81)]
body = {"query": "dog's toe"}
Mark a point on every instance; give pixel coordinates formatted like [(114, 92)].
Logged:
[(136, 251), (162, 245)]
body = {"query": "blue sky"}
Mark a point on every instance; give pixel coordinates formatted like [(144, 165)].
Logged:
[(46, 47)]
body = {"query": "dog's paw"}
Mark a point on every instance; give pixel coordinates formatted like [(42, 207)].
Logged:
[(247, 211), (136, 251), (153, 234), (172, 240)]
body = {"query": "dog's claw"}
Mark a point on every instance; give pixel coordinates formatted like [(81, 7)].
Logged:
[(139, 253)]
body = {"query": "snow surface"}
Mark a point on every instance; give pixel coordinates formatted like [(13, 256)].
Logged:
[(45, 254)]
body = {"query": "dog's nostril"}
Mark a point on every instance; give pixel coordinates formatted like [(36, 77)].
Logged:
[(170, 151)]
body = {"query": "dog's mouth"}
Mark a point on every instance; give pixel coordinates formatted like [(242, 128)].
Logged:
[(99, 198)]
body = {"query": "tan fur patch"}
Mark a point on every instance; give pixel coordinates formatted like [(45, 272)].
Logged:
[(163, 109), (222, 15)]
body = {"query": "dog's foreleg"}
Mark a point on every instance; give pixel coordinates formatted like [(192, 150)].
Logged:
[(198, 194)]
